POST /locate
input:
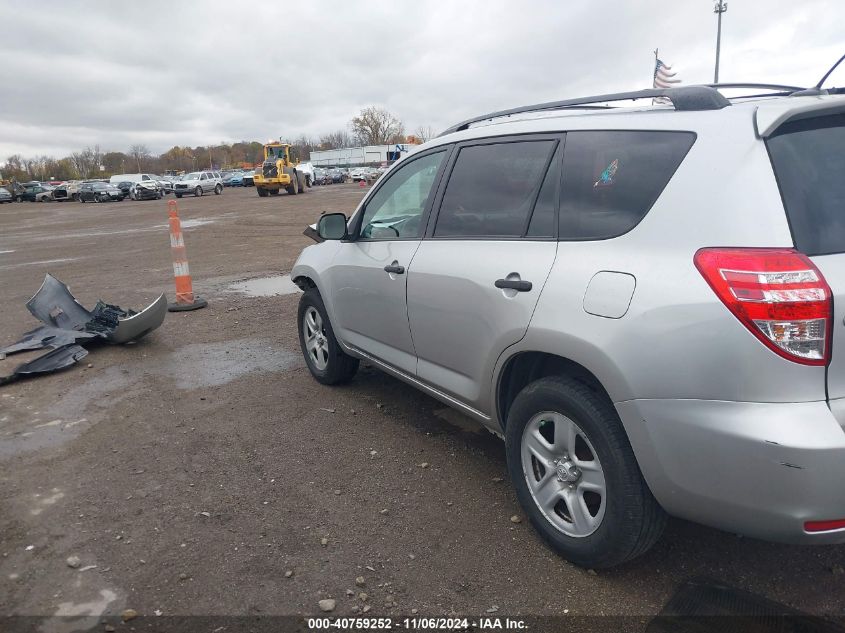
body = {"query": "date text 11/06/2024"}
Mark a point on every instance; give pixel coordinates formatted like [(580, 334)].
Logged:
[(416, 624)]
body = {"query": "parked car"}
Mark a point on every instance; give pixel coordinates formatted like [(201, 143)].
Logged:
[(236, 179), (338, 176), (645, 303), (322, 177), (125, 187), (36, 193), (165, 185), (97, 191), (67, 190), (199, 183), (247, 180), (144, 186), (307, 169), (6, 195)]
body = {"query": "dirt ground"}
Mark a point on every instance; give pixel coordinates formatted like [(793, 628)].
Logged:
[(203, 471)]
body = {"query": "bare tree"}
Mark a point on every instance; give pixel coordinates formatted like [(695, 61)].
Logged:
[(376, 126), (335, 140), (425, 133), (139, 153)]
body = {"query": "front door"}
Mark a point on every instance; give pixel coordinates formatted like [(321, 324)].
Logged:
[(477, 276), (368, 279)]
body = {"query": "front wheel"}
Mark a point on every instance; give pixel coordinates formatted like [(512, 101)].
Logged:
[(328, 363), (218, 190), (198, 192), (576, 476), (179, 195), (262, 192)]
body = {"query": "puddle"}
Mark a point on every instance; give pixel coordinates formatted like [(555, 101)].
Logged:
[(92, 398), (266, 286), (214, 364)]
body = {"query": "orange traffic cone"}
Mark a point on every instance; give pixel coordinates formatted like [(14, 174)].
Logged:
[(185, 299)]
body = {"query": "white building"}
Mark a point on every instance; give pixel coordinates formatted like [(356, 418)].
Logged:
[(356, 156)]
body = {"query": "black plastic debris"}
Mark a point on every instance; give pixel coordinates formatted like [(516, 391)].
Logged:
[(67, 324), (46, 336), (53, 360)]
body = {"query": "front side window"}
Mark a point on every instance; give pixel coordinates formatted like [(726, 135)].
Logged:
[(396, 209), (492, 189), (611, 179)]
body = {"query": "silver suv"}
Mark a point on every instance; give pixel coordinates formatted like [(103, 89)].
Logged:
[(199, 182), (645, 303)]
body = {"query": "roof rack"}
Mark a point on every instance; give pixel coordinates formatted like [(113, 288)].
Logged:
[(683, 98), (777, 87)]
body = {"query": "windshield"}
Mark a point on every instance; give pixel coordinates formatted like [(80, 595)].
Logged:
[(192, 176), (809, 162)]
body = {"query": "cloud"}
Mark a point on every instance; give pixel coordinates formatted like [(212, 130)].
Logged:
[(191, 73)]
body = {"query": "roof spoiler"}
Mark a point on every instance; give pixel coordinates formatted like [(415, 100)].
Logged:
[(769, 117)]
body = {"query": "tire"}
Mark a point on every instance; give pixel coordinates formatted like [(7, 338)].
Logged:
[(303, 182), (262, 192), (308, 182), (218, 190), (198, 192), (179, 195), (159, 195), (326, 361), (273, 192), (82, 200), (619, 524), (294, 184), (74, 197)]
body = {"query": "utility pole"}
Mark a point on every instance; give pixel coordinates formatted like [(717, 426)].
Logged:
[(720, 8)]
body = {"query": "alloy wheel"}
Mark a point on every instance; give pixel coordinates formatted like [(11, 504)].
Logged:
[(564, 474), (316, 343)]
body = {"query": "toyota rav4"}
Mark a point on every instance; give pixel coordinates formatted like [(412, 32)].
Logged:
[(645, 302)]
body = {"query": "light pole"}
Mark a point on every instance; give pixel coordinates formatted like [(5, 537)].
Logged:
[(719, 9)]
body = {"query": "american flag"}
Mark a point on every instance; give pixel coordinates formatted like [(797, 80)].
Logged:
[(663, 78)]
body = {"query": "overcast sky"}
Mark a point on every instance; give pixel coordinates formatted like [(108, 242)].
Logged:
[(74, 74)]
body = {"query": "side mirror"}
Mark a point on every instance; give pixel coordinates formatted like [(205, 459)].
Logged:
[(332, 226)]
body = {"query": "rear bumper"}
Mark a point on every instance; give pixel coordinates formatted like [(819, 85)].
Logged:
[(760, 469)]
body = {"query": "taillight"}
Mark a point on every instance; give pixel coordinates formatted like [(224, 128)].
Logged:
[(778, 294)]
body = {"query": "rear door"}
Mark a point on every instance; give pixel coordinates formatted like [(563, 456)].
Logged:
[(476, 278), (808, 157)]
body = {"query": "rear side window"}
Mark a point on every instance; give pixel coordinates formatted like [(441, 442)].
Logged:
[(612, 179), (492, 189), (809, 162)]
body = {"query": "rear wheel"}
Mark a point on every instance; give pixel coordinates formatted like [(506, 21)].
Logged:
[(262, 192), (294, 184), (328, 363), (218, 190), (576, 476)]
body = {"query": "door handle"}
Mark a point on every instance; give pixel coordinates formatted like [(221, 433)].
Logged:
[(395, 269), (514, 284)]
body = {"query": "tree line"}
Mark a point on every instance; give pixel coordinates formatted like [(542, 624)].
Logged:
[(372, 126)]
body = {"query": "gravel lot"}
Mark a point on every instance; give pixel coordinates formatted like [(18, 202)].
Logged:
[(203, 471)]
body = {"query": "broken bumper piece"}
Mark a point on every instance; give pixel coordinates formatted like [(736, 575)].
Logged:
[(67, 323)]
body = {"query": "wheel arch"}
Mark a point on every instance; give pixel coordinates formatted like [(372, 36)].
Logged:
[(524, 367)]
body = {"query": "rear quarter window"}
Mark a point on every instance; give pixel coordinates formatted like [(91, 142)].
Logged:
[(808, 157), (612, 178)]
